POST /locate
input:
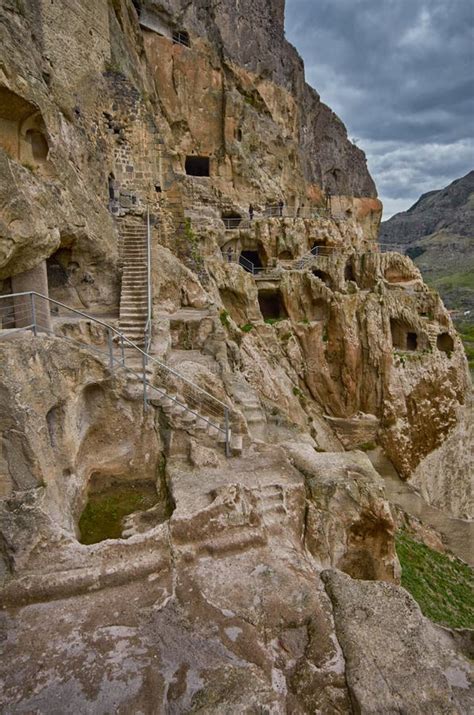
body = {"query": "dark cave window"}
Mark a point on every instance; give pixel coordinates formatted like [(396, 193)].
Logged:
[(349, 272), (319, 248), (403, 337), (250, 260), (232, 220), (445, 343), (197, 166), (322, 275), (271, 305), (181, 37)]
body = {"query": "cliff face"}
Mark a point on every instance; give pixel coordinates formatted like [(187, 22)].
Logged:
[(317, 344)]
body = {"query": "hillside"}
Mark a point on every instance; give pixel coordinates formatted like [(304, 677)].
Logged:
[(201, 347)]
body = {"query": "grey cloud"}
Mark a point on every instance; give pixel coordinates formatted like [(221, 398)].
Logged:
[(396, 72)]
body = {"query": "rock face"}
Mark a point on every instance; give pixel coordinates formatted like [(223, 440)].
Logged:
[(269, 298), (221, 607)]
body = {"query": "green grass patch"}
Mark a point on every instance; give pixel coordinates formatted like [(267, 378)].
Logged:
[(441, 585), (455, 280), (103, 514), (367, 446), (224, 318), (247, 327), (273, 321)]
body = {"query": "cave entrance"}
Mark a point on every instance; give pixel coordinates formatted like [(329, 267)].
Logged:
[(198, 166), (271, 305), (349, 274), (250, 261), (319, 248), (109, 501), (403, 336), (231, 220), (323, 276), (445, 343)]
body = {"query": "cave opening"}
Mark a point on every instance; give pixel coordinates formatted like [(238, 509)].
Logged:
[(349, 274), (319, 248), (231, 219), (250, 260), (272, 306), (198, 166), (181, 37), (403, 336), (445, 343), (323, 276)]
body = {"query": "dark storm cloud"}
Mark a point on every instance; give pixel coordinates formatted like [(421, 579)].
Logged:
[(400, 74)]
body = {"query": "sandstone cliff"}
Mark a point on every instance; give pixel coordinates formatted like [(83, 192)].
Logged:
[(270, 301)]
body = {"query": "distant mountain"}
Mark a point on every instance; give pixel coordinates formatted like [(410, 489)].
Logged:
[(449, 210), (437, 232)]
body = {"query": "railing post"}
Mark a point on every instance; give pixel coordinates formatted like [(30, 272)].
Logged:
[(122, 349), (33, 314), (145, 397), (111, 349), (227, 432)]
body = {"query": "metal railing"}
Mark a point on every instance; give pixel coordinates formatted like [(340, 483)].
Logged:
[(236, 257), (231, 256), (31, 311), (284, 211), (148, 326)]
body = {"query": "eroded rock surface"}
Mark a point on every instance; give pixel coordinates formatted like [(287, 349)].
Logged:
[(269, 292)]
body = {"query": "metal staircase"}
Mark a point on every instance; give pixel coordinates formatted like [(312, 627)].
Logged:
[(160, 384)]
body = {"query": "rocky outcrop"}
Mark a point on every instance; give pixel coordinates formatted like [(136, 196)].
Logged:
[(316, 346), (383, 675), (221, 606)]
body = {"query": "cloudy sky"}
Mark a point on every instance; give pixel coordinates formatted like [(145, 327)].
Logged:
[(400, 74)]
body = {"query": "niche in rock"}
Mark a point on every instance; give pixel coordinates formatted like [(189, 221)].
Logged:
[(38, 144), (318, 310), (349, 274), (285, 256), (250, 260), (22, 129), (272, 305), (109, 500), (403, 336), (445, 343), (394, 275), (323, 276), (198, 166)]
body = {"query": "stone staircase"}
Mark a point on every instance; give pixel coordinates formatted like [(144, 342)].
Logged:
[(134, 292)]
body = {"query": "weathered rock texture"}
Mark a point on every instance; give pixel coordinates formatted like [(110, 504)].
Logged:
[(212, 600)]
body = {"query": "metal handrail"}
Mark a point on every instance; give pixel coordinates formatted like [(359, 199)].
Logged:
[(112, 333), (148, 326), (301, 262)]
